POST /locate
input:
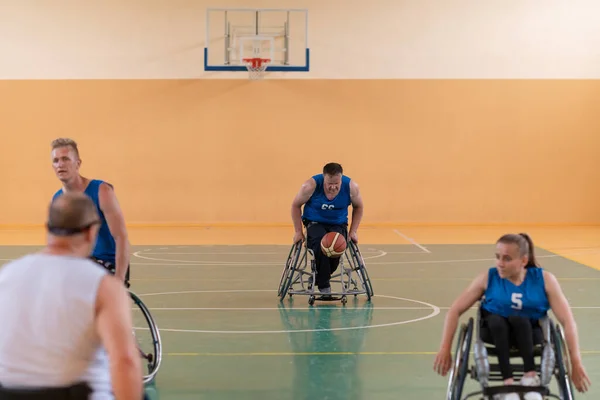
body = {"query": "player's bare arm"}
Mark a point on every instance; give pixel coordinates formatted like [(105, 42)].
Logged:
[(560, 307), (114, 326), (306, 190), (474, 292), (116, 223), (357, 210)]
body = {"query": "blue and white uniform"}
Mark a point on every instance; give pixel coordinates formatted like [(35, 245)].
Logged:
[(529, 299), (333, 212), (105, 248)]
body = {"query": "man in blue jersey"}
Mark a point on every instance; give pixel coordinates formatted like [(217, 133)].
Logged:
[(112, 245), (326, 198)]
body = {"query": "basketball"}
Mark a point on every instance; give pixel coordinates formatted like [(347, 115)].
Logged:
[(333, 244)]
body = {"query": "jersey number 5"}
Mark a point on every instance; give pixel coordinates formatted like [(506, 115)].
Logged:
[(517, 303)]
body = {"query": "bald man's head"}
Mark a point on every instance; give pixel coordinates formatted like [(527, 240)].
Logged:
[(70, 214)]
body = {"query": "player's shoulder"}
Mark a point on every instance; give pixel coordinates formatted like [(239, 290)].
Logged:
[(16, 262), (486, 275), (311, 183), (544, 274), (57, 194), (105, 189), (100, 183), (536, 273), (350, 182), (317, 178)]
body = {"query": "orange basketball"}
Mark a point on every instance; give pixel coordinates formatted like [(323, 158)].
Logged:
[(333, 244)]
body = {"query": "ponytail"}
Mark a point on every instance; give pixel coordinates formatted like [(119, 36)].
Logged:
[(532, 263), (525, 244)]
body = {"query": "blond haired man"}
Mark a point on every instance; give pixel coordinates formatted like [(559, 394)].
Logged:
[(112, 247)]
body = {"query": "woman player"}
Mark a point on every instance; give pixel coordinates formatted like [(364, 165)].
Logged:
[(517, 294)]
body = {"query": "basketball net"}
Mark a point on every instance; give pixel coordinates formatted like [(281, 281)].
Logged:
[(257, 67)]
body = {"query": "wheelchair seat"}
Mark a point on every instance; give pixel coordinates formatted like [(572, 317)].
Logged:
[(486, 337)]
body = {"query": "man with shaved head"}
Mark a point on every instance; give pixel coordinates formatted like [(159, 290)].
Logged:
[(67, 328)]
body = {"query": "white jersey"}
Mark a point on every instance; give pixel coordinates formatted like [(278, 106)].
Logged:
[(47, 329)]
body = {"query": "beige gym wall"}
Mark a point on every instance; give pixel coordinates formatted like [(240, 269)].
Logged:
[(458, 112)]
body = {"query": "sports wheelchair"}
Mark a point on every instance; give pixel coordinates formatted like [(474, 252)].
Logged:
[(150, 348), (296, 273), (550, 352)]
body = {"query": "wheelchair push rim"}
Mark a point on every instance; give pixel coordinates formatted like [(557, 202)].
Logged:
[(459, 370), (152, 361), (287, 275), (362, 270), (563, 369)]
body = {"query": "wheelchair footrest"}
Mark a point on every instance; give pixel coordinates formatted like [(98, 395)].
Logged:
[(503, 389), (327, 297)]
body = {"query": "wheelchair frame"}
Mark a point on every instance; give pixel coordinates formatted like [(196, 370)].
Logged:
[(296, 272), (153, 360), (552, 352)]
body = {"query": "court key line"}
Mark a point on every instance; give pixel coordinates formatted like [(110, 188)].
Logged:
[(434, 308), (320, 308), (271, 263), (260, 253), (411, 240), (138, 254), (428, 305)]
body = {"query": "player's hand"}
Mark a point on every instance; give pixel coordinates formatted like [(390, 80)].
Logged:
[(443, 362), (298, 237), (354, 237), (579, 377)]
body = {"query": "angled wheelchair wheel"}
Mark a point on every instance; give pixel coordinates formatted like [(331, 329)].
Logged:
[(563, 369), (287, 276), (361, 269), (147, 337), (460, 369)]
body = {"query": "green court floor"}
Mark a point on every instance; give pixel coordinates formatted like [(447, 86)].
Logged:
[(226, 335)]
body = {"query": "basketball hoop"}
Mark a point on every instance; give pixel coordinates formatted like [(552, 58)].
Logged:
[(257, 67)]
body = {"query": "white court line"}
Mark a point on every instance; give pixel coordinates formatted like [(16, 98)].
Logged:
[(411, 240), (428, 306), (380, 253), (271, 263), (434, 308), (258, 253), (275, 308), (209, 291), (320, 308), (241, 263)]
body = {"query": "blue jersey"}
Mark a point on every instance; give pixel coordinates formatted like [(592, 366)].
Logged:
[(105, 248), (529, 299), (320, 209)]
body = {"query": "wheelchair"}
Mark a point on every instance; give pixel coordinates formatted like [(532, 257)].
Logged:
[(150, 349), (351, 274), (551, 359)]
